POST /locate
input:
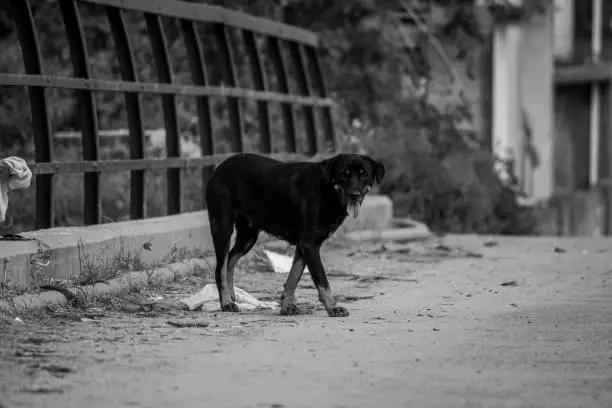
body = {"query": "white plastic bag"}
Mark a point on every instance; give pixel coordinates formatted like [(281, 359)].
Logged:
[(208, 298), (280, 263)]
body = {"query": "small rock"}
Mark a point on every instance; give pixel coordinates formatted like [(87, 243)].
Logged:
[(510, 283), (434, 329), (490, 244), (131, 308), (471, 254), (187, 323), (560, 250), (442, 247)]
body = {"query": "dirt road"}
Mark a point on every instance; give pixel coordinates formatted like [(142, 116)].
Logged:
[(523, 326)]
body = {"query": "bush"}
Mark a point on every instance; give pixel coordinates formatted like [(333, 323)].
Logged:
[(451, 189)]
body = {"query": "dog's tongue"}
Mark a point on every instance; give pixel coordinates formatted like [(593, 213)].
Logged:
[(352, 209)]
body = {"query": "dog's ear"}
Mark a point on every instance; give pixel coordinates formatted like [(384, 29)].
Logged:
[(378, 172), (327, 169)]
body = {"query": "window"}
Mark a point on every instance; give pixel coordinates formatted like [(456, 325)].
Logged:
[(583, 15)]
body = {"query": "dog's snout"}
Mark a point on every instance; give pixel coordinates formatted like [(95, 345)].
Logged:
[(354, 195)]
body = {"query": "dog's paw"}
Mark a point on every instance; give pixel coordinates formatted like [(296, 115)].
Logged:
[(337, 311), (230, 307), (290, 310)]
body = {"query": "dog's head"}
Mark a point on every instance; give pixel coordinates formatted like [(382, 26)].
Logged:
[(352, 177)]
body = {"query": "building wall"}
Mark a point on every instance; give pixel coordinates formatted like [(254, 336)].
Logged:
[(523, 98), (536, 98)]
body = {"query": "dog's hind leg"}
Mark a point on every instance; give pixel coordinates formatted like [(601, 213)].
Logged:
[(288, 306), (221, 226), (317, 272), (246, 237)]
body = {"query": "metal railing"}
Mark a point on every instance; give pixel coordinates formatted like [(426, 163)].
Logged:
[(302, 47)]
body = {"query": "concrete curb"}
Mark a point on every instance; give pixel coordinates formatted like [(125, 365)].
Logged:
[(391, 234), (116, 286), (65, 252), (412, 231)]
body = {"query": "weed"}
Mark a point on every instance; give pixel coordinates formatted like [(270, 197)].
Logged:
[(10, 289), (99, 268), (177, 254), (154, 279), (204, 273), (94, 268), (40, 265)]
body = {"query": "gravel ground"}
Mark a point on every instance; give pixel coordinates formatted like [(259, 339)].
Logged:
[(476, 322)]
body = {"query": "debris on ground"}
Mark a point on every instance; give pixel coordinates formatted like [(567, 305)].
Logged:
[(280, 263), (134, 304), (84, 313), (188, 323), (414, 251), (208, 299), (510, 283), (457, 251), (560, 250)]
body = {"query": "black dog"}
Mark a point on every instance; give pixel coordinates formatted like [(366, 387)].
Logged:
[(302, 203)]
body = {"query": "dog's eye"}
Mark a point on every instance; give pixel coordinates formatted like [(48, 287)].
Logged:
[(347, 173), (361, 172)]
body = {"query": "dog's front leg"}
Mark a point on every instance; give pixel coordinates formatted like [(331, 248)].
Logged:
[(288, 306), (315, 266)]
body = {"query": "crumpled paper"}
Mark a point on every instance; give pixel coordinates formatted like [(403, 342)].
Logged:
[(14, 174), (208, 299)]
